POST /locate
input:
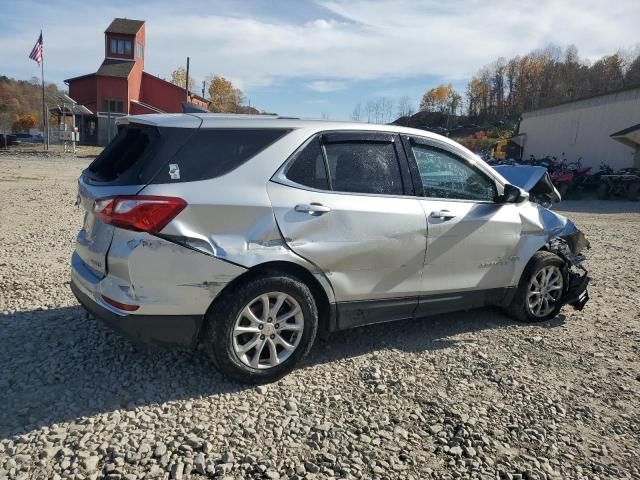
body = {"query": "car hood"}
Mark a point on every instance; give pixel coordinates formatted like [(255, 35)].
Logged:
[(532, 179)]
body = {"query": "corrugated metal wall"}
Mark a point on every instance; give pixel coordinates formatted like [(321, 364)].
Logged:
[(582, 129)]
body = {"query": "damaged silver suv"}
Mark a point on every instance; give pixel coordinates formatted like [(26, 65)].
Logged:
[(252, 235)]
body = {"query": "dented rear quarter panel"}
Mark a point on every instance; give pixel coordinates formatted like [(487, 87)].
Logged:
[(165, 278)]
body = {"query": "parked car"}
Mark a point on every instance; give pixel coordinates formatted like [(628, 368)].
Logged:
[(19, 138), (254, 234)]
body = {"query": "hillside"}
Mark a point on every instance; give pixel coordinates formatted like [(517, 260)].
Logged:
[(21, 97)]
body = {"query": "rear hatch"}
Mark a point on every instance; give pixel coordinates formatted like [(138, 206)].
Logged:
[(126, 165)]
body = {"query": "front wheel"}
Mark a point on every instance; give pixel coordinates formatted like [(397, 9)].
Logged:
[(260, 330), (540, 291)]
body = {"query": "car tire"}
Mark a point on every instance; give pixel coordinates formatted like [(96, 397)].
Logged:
[(520, 308), (229, 315), (633, 193)]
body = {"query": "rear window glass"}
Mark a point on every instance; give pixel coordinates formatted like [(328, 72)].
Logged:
[(129, 146), (210, 153)]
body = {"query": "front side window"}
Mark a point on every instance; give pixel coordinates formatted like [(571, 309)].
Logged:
[(364, 167), (308, 168), (444, 175)]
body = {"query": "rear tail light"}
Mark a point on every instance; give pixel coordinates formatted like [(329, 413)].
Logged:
[(143, 213), (122, 306)]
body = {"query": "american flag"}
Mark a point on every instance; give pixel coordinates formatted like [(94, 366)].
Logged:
[(37, 53)]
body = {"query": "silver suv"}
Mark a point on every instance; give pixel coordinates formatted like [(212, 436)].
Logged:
[(254, 234)]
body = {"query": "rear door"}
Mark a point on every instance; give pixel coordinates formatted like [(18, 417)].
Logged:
[(341, 202)]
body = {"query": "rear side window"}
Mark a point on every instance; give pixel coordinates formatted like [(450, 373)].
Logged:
[(210, 153), (130, 146), (365, 167), (308, 168)]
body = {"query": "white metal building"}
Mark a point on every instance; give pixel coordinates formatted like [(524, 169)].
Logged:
[(584, 128)]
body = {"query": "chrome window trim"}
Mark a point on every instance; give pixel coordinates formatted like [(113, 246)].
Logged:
[(282, 180)]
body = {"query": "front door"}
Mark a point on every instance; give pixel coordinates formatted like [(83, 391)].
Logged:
[(472, 239), (341, 204)]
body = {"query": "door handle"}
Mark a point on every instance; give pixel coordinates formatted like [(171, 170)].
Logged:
[(315, 209), (442, 215)]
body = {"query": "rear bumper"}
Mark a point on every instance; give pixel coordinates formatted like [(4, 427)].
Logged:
[(155, 330)]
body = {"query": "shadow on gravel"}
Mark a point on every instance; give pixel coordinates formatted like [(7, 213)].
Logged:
[(58, 365), (424, 334)]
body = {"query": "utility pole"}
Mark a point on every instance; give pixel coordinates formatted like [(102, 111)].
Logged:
[(203, 83), (187, 80)]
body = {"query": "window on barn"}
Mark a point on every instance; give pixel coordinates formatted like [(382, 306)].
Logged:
[(119, 47), (112, 105)]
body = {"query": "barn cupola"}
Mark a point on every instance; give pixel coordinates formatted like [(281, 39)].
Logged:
[(124, 40)]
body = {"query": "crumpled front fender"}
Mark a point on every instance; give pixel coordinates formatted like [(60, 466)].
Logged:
[(539, 227), (544, 229)]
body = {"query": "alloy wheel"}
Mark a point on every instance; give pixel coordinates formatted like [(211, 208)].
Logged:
[(545, 290), (268, 330)]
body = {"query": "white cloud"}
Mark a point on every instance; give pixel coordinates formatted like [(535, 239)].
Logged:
[(326, 86), (358, 39), (388, 38)]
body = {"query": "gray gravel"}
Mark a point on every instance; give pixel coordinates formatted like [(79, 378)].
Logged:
[(471, 395)]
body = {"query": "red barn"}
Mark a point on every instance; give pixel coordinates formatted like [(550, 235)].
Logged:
[(121, 86)]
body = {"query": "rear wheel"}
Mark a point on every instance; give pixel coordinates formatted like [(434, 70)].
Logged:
[(633, 192), (260, 330), (540, 290)]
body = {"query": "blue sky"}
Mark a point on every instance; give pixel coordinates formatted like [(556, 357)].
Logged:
[(318, 57)]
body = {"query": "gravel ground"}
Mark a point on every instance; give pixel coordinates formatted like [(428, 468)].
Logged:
[(470, 395)]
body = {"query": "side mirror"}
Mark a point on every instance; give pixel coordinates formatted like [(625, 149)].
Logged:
[(512, 194)]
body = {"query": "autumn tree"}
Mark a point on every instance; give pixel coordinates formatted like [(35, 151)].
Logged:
[(21, 97), (225, 97), (546, 77), (606, 74), (443, 99), (179, 77), (23, 123)]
